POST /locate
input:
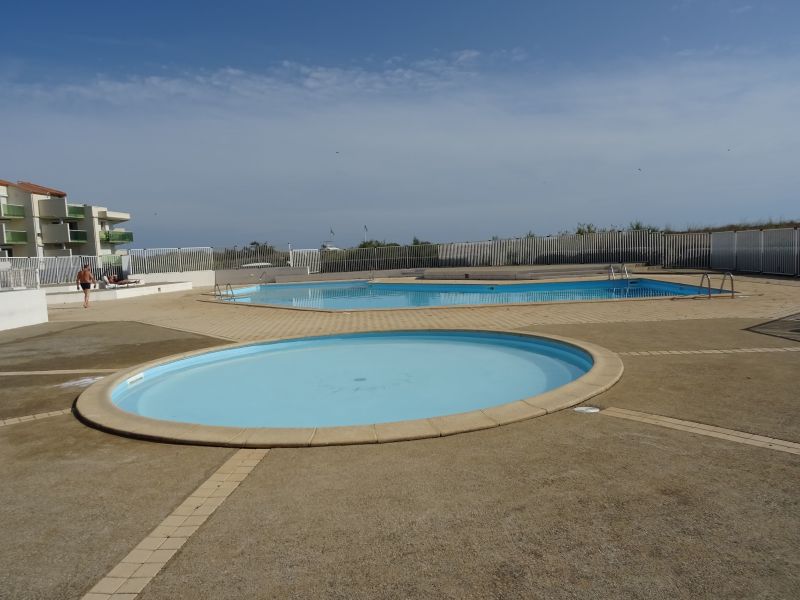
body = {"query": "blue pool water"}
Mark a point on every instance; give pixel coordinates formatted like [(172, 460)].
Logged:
[(352, 379), (355, 295)]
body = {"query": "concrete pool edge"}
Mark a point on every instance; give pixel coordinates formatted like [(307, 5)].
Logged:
[(95, 408), (212, 298)]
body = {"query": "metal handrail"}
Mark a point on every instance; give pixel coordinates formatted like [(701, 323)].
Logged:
[(217, 291), (706, 277), (625, 270), (611, 274), (229, 292), (727, 275)]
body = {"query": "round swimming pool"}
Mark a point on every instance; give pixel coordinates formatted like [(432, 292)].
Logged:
[(342, 381)]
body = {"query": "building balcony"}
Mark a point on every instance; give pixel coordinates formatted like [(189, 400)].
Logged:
[(75, 211), (10, 237), (114, 215), (57, 208), (12, 211), (78, 236), (60, 233), (116, 237)]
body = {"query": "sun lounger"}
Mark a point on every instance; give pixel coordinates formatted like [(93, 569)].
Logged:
[(110, 286)]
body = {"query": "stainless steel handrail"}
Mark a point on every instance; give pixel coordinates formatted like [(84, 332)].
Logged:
[(727, 275), (706, 277)]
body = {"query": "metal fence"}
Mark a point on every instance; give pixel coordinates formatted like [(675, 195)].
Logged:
[(770, 251), (673, 250), (52, 270), (170, 260), (250, 256), (616, 246), (309, 258), (686, 250), (14, 277)]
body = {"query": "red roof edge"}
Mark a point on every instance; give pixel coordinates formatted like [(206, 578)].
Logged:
[(40, 189)]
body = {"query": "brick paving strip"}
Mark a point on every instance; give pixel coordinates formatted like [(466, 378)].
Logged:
[(728, 351), (36, 417), (62, 372), (137, 569), (702, 429)]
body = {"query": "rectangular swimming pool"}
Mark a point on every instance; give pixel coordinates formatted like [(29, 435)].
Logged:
[(361, 295)]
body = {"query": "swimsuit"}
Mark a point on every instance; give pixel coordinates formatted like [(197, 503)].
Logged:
[(85, 285)]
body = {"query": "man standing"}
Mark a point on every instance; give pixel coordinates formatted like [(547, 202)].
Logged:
[(85, 280)]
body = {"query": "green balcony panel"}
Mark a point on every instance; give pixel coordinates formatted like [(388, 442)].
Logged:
[(75, 212), (78, 236), (12, 211), (16, 237), (116, 237)]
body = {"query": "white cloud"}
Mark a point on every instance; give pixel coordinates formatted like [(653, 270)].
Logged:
[(441, 148)]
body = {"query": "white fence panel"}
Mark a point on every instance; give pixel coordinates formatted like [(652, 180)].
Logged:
[(170, 260), (306, 257), (687, 250), (749, 249), (723, 250), (779, 252), (16, 273)]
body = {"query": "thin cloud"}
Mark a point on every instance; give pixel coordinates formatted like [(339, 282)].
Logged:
[(439, 148)]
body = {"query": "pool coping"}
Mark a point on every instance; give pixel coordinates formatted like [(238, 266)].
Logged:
[(95, 408), (212, 298)]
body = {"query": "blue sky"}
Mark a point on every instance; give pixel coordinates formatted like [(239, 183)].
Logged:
[(220, 123)]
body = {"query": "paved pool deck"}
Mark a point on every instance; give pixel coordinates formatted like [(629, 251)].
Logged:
[(569, 505)]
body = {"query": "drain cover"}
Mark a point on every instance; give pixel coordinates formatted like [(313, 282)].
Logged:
[(587, 409)]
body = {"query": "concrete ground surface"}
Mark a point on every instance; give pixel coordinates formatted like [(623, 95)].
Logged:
[(569, 506), (563, 506)]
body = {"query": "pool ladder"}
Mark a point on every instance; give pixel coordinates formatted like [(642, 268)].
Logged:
[(623, 273), (706, 278), (218, 294)]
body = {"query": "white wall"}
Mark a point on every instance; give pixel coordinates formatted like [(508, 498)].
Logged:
[(22, 307), (198, 278), (74, 296)]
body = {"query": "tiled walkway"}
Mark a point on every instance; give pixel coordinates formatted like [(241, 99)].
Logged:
[(134, 572), (36, 417), (730, 435), (187, 312), (723, 351)]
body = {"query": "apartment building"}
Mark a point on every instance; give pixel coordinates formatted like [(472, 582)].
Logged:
[(39, 221)]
